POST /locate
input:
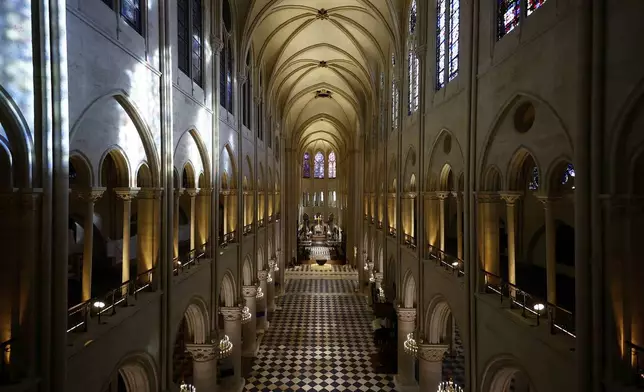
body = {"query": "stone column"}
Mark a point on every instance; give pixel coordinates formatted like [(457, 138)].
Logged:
[(224, 198), (262, 322), (510, 202), (193, 215), (250, 328), (270, 292), (489, 230), (282, 265), (177, 213), (442, 196), (126, 194), (146, 229), (203, 218), (431, 366), (233, 328), (459, 223), (204, 366), (551, 255), (406, 325), (89, 196)]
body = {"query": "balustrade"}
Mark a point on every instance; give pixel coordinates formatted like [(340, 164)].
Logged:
[(449, 262), (392, 231), (637, 362), (410, 241)]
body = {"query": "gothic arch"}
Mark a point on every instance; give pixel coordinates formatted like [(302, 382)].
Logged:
[(437, 319), (228, 166), (450, 154), (84, 171), (19, 138), (260, 259), (197, 320), (203, 152), (247, 271), (501, 374), (122, 166), (228, 290), (515, 167), (139, 373), (409, 290)]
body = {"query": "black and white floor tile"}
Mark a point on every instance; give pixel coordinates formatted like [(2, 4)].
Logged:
[(318, 342)]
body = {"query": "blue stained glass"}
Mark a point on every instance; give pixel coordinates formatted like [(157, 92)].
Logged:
[(332, 164), (508, 14), (454, 36), (306, 166), (534, 183), (413, 14), (318, 169), (441, 31), (533, 5), (569, 174)]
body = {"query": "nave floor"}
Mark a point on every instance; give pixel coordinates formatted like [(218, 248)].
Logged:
[(320, 340)]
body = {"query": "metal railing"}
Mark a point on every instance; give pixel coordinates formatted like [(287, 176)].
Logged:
[(270, 219), (558, 318), (380, 224), (248, 229), (392, 231), (79, 315), (7, 371), (228, 238), (637, 362), (277, 217), (188, 260), (447, 261), (261, 223), (410, 241)]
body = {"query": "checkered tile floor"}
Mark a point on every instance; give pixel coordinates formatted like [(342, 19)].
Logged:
[(334, 268), (318, 342)]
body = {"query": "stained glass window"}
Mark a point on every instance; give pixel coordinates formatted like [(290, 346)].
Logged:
[(454, 36), (395, 95), (569, 175), (332, 164), (533, 185), (197, 45), (306, 166), (183, 34), (131, 12), (229, 79), (508, 15), (413, 61), (441, 30), (533, 5), (318, 169)]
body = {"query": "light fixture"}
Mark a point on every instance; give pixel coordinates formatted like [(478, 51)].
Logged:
[(455, 264), (539, 307), (225, 347), (187, 387), (99, 304), (449, 386), (246, 316), (411, 348), (260, 293)]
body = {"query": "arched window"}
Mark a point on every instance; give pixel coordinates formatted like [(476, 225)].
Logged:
[(318, 170), (306, 166), (190, 39), (246, 93), (509, 13), (226, 61), (395, 95), (332, 164), (412, 57), (447, 40)]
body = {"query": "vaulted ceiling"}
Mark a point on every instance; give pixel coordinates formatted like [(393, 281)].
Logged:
[(322, 59)]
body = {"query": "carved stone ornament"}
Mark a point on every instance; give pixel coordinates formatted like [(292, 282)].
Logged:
[(249, 291), (192, 192), (202, 352), (126, 194), (88, 194), (262, 275), (487, 197), (406, 314), (511, 197), (205, 192), (150, 193), (442, 195), (232, 313), (178, 193), (217, 44), (322, 14), (323, 64), (432, 352)]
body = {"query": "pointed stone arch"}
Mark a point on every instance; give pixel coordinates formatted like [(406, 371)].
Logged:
[(83, 170), (410, 168), (202, 149), (228, 166), (260, 259), (138, 371), (437, 317), (516, 165), (19, 139), (409, 290), (124, 177), (197, 320), (247, 271), (228, 290), (503, 373)]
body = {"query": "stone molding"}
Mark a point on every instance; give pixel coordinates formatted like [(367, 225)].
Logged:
[(178, 193), (232, 313), (126, 194), (150, 193), (249, 291), (88, 194), (205, 192), (487, 197), (547, 201), (202, 352), (432, 352), (217, 44), (262, 275), (511, 197), (192, 192), (406, 314), (29, 198), (442, 195)]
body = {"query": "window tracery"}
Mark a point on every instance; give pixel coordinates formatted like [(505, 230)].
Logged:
[(318, 169), (190, 38), (395, 95), (413, 60), (332, 165)]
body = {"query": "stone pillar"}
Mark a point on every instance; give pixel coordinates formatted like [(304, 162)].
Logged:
[(406, 325), (89, 196), (193, 215), (177, 213), (224, 198), (431, 366), (233, 328), (250, 328), (262, 322), (510, 201), (282, 265), (270, 292), (551, 255), (459, 223), (147, 229), (442, 196), (126, 194), (204, 366), (203, 217), (489, 230)]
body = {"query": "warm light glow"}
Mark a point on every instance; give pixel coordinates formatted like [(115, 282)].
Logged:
[(539, 307), (99, 304)]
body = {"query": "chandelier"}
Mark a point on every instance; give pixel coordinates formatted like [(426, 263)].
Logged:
[(449, 386), (269, 278), (187, 387), (260, 293), (225, 348), (368, 265), (245, 315), (272, 264), (411, 348), (381, 293)]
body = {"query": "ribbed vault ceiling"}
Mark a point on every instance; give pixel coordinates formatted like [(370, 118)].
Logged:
[(322, 59)]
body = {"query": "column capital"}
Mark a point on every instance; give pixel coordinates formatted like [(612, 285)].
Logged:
[(249, 291), (242, 77), (510, 197), (231, 313), (547, 200), (442, 195), (432, 352), (178, 192), (406, 314), (457, 195), (262, 275), (126, 194), (88, 194), (192, 192), (202, 352), (217, 43), (150, 193), (487, 197), (205, 191), (379, 277)]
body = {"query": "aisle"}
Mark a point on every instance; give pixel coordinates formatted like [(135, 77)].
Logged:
[(321, 340)]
